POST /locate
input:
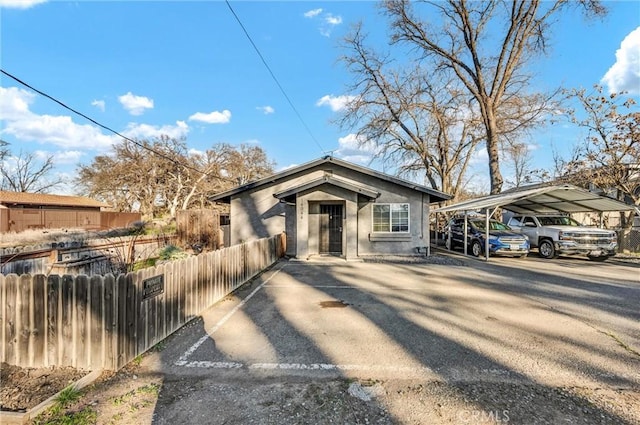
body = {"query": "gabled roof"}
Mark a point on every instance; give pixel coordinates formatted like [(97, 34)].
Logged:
[(538, 199), (24, 198), (436, 195), (348, 184)]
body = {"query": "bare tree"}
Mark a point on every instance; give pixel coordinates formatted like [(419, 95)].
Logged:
[(610, 155), (161, 176), (425, 127), (486, 45), (518, 158), (4, 151), (26, 173)]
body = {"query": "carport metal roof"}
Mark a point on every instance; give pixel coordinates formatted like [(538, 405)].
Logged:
[(564, 198), (540, 200)]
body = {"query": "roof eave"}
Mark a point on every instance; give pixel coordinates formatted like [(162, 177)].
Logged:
[(225, 197)]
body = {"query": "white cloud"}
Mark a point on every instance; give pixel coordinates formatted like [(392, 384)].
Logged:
[(356, 149), (214, 117), (135, 104), (147, 131), (20, 4), (624, 75), (59, 130), (194, 151), (313, 13), (328, 20), (14, 103), (332, 20), (18, 120), (61, 157), (336, 103), (98, 104), (479, 156), (286, 167), (266, 109), (68, 157)]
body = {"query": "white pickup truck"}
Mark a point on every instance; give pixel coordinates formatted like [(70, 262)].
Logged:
[(554, 235)]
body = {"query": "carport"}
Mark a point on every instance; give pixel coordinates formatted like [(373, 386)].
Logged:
[(563, 198)]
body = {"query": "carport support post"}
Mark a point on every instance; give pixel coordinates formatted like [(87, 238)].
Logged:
[(486, 234), (449, 239), (466, 232)]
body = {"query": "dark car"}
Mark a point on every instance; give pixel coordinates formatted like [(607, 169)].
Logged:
[(502, 239)]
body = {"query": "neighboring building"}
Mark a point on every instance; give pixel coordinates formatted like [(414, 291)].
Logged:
[(329, 206), (22, 211)]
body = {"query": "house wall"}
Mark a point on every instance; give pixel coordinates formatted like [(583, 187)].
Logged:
[(371, 243), (309, 224), (257, 214)]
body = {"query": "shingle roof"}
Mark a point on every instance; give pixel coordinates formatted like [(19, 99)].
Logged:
[(23, 198), (436, 195)]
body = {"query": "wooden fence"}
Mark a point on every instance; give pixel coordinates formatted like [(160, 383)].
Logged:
[(199, 229), (106, 321), (21, 219)]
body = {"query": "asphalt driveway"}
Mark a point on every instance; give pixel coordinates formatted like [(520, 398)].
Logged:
[(448, 341)]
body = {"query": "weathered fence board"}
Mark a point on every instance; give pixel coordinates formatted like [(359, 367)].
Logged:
[(106, 321), (39, 320)]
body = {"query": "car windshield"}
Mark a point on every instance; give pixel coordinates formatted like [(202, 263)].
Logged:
[(558, 221), (493, 225)]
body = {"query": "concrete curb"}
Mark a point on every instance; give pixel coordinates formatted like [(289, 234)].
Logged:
[(21, 418)]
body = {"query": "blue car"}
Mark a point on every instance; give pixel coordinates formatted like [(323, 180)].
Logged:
[(502, 239)]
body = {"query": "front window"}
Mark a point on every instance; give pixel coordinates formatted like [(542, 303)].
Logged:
[(391, 218)]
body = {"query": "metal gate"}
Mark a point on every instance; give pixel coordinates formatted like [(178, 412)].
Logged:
[(330, 229)]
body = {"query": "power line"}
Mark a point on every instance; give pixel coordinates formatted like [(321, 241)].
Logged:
[(273, 76), (141, 145)]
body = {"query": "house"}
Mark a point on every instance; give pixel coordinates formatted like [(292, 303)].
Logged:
[(330, 206), (22, 211)]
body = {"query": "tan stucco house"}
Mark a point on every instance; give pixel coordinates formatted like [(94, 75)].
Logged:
[(330, 206)]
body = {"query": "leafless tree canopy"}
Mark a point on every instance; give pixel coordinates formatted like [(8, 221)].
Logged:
[(134, 177), (486, 46), (609, 157), (404, 115), (26, 172)]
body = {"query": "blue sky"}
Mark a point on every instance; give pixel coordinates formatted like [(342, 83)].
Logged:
[(147, 68)]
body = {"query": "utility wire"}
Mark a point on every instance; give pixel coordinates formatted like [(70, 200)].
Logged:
[(273, 76), (154, 151)]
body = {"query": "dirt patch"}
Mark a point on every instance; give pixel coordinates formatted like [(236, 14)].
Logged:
[(24, 388), (126, 396), (138, 394)]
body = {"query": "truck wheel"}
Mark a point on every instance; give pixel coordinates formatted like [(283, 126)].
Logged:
[(547, 249), (476, 248)]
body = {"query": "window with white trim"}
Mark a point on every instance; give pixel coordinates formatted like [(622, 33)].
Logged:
[(392, 218)]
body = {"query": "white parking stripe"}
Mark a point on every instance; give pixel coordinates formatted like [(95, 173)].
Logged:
[(305, 366), (182, 361)]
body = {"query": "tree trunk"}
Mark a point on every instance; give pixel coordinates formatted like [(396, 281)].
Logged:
[(493, 152)]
